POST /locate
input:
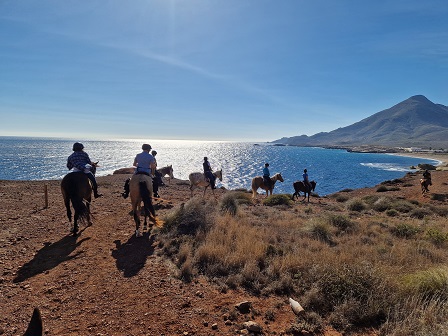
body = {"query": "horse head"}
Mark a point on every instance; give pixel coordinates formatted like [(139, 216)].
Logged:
[(171, 171), (279, 177), (93, 167), (218, 174), (313, 185)]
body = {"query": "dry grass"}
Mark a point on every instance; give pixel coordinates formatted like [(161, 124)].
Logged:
[(373, 261)]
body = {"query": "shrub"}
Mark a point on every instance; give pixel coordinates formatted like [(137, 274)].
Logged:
[(188, 218), (341, 222), (382, 188), (341, 198), (392, 213), (382, 204), (438, 197), (429, 283), (403, 206), (229, 204), (437, 237), (404, 230), (356, 205), (419, 213), (319, 230), (278, 199)]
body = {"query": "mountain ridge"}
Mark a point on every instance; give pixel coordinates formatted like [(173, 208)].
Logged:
[(414, 122)]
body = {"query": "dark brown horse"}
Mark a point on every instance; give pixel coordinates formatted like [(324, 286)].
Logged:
[(425, 183), (140, 187), (77, 189), (299, 186)]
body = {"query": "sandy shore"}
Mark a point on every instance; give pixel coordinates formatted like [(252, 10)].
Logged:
[(441, 157)]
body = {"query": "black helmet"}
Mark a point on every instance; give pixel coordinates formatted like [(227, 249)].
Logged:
[(146, 147), (205, 158), (154, 152), (77, 147), (305, 170), (266, 164)]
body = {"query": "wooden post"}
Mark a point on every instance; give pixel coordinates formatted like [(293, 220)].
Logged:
[(46, 195)]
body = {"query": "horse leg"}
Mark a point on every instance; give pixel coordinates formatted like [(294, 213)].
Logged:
[(137, 223), (75, 223), (89, 222), (69, 211)]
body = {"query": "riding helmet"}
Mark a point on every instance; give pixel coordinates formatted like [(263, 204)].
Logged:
[(77, 147), (305, 170), (146, 147), (153, 152), (266, 164)]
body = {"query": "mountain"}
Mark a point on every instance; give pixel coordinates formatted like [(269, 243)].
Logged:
[(415, 122)]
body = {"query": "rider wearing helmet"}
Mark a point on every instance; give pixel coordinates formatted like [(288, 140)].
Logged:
[(79, 161), (209, 173), (267, 175), (306, 180), (145, 164), (157, 180)]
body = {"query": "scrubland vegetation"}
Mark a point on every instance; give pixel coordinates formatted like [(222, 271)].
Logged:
[(353, 262)]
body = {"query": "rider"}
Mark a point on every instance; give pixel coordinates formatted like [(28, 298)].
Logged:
[(427, 176), (157, 180), (209, 173), (306, 180), (266, 175), (145, 164), (79, 161)]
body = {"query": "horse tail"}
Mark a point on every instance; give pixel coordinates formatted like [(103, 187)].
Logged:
[(146, 198), (70, 195)]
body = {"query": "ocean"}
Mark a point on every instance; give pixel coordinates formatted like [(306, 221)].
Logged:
[(333, 169)]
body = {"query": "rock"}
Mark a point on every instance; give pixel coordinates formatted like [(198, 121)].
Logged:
[(253, 327), (296, 307), (244, 307), (125, 171), (426, 166)]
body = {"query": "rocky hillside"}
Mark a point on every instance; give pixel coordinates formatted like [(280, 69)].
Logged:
[(415, 122)]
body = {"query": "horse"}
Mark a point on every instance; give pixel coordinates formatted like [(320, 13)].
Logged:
[(77, 189), (199, 180), (300, 186), (140, 187), (424, 183), (168, 170), (258, 182)]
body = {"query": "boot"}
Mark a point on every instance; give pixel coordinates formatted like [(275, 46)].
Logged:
[(95, 193)]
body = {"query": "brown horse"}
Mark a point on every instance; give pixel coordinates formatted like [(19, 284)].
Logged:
[(425, 183), (140, 187), (199, 180), (258, 182), (168, 170), (299, 186), (77, 189)]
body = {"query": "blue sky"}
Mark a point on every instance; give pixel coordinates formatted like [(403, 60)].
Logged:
[(246, 70)]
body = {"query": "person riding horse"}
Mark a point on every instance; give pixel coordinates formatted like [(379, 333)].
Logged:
[(79, 161), (427, 176), (209, 173), (145, 164), (266, 175), (306, 180), (157, 180)]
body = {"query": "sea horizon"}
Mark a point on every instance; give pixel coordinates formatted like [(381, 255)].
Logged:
[(44, 158)]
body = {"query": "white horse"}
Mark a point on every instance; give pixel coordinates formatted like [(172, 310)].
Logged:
[(199, 180)]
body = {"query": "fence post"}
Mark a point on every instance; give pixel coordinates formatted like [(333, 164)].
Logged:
[(46, 195)]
